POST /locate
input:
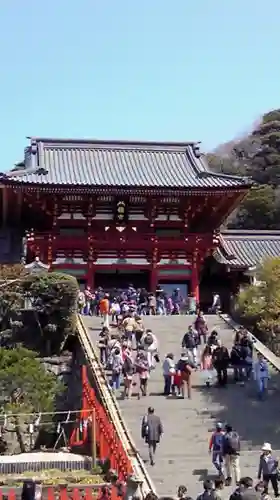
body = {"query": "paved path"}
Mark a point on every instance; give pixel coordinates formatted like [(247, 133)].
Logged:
[(183, 453)]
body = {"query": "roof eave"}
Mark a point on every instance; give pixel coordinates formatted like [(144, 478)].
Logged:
[(10, 179)]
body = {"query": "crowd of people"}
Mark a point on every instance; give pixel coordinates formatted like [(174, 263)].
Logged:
[(140, 301), (225, 448), (131, 353), (213, 489)]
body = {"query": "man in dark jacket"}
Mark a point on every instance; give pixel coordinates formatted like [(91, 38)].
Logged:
[(190, 342), (220, 362), (151, 431)]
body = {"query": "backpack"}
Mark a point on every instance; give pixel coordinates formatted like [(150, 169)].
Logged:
[(149, 339), (218, 439), (184, 366), (232, 443)]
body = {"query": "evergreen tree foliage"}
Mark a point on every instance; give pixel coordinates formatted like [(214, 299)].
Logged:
[(259, 305), (256, 156)]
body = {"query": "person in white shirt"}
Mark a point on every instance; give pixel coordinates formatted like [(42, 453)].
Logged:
[(150, 344), (168, 369)]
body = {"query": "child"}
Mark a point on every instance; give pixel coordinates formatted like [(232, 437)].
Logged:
[(177, 383)]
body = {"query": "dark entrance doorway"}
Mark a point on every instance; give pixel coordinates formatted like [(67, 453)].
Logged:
[(215, 278), (170, 285), (120, 278)]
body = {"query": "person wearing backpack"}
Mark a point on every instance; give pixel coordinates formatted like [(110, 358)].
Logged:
[(117, 364), (231, 452), (216, 448), (128, 372), (185, 367)]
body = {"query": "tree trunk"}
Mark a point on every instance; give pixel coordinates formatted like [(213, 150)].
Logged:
[(19, 435)]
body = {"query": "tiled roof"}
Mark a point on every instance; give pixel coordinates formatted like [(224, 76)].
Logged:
[(247, 248), (119, 164)]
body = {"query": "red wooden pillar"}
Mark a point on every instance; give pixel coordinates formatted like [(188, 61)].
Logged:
[(153, 279), (154, 271), (90, 275), (195, 279)]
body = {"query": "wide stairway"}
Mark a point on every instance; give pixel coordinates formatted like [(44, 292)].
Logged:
[(182, 457)]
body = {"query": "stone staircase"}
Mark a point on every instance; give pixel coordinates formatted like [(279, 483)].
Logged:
[(182, 457)]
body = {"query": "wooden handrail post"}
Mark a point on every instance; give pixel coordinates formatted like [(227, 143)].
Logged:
[(93, 438)]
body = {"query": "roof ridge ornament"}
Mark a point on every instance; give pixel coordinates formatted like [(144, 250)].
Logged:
[(28, 171)]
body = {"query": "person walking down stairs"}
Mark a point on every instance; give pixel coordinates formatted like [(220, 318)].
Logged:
[(151, 431)]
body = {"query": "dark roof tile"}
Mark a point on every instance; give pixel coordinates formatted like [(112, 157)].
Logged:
[(119, 164), (247, 248)]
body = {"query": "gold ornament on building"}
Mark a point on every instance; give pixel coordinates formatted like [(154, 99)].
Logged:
[(121, 211)]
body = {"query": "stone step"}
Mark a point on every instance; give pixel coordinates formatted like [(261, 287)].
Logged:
[(182, 456)]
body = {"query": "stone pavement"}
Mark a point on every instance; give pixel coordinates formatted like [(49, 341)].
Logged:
[(182, 456)]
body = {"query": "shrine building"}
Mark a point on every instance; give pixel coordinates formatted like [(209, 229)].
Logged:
[(118, 212)]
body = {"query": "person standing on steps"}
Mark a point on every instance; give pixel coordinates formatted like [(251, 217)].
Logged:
[(185, 367), (104, 307), (190, 342), (261, 375), (151, 432), (220, 362), (231, 452), (216, 448), (268, 469), (168, 369)]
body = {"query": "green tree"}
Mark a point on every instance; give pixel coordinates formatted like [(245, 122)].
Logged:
[(265, 164), (27, 388), (21, 371), (256, 156), (259, 305), (257, 211), (52, 318), (55, 304)]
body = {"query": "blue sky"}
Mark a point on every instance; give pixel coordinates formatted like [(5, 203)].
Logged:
[(143, 69)]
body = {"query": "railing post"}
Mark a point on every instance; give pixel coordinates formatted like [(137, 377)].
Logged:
[(12, 495), (50, 494), (93, 438), (63, 494)]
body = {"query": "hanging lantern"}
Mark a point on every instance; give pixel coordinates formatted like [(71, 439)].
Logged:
[(121, 212)]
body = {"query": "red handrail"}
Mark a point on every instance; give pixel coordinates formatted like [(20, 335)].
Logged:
[(109, 445), (76, 493)]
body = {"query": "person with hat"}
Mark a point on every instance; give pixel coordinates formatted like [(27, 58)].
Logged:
[(216, 448), (268, 469)]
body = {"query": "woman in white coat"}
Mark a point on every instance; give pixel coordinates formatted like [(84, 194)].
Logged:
[(150, 345)]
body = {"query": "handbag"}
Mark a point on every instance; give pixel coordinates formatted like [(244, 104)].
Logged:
[(156, 358)]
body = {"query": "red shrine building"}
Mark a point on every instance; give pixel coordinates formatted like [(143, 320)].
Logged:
[(117, 212)]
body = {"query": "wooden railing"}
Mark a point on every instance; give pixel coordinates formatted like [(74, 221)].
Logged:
[(65, 493)]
